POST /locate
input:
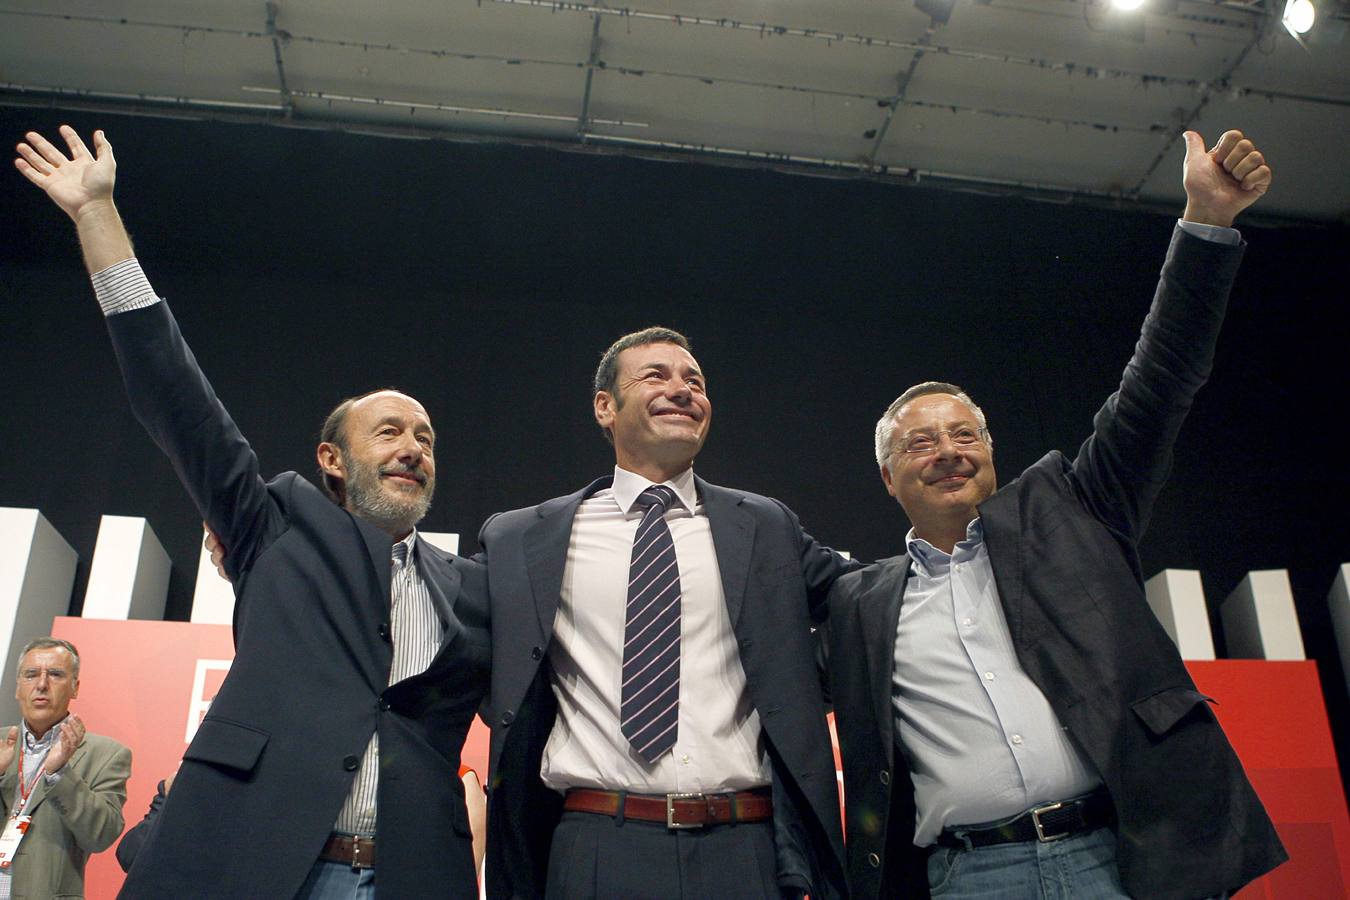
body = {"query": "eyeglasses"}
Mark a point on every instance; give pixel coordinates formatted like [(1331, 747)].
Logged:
[(31, 675), (921, 443)]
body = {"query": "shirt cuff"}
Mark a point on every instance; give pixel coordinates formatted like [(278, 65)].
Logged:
[(53, 777), (123, 287), (1216, 233)]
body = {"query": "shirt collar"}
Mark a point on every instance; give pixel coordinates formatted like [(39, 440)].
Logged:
[(33, 744), (410, 543), (930, 561), (628, 485)]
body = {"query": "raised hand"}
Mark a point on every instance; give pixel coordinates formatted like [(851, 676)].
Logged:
[(72, 181), (212, 543), (7, 748), (1224, 181), (72, 732)]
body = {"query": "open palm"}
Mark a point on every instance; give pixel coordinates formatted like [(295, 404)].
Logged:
[(71, 181)]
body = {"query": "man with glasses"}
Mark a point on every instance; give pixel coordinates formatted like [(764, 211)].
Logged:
[(1013, 719), (62, 788)]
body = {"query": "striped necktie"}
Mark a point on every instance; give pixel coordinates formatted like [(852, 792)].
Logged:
[(650, 696)]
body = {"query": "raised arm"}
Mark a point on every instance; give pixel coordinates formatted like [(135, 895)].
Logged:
[(168, 393), (82, 185), (1122, 466)]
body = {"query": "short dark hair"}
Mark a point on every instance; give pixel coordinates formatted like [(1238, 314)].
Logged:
[(51, 643), (334, 432), (607, 373)]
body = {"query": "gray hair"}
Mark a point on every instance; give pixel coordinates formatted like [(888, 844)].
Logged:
[(885, 432), (50, 643), (607, 373)]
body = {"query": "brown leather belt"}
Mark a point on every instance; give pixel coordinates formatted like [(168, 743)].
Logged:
[(675, 810), (357, 852)]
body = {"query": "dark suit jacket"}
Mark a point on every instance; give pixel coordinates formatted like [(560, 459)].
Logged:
[(263, 780), (1062, 542), (774, 576), (79, 815)]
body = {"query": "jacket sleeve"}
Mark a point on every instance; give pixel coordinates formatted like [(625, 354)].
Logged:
[(173, 400), (89, 797), (1122, 466)]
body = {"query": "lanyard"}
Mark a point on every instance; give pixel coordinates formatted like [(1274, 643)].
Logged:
[(25, 789)]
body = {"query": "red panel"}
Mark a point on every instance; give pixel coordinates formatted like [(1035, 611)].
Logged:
[(1274, 716), (136, 685)]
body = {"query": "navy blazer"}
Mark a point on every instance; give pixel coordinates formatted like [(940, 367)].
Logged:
[(1062, 543), (775, 578), (268, 771)]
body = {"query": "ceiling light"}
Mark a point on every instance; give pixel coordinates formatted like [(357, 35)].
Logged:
[(1298, 16), (1127, 5)]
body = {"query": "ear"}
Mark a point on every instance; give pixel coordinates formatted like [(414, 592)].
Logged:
[(886, 479), (75, 689), (604, 410), (330, 460)]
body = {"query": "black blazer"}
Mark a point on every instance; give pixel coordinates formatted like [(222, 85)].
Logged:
[(266, 775), (1062, 541), (775, 578)]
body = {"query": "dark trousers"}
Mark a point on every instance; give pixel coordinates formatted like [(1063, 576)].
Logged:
[(602, 857)]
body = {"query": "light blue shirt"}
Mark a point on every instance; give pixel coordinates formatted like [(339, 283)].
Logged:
[(981, 739)]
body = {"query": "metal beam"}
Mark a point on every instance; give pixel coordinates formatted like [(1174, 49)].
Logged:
[(592, 60)]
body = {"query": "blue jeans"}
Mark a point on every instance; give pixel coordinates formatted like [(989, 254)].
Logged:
[(1082, 867), (330, 880)]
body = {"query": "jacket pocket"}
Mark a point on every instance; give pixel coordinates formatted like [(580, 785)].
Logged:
[(1161, 711), (229, 744)]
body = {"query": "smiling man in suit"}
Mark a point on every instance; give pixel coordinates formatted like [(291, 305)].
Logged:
[(331, 750), (658, 726), (1013, 719)]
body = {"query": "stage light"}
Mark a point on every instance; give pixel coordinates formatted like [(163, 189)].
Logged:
[(1298, 16), (1127, 5)]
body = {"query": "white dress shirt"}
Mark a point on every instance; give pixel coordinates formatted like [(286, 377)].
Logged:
[(719, 746)]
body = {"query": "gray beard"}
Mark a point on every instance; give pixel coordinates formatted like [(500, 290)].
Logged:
[(396, 515)]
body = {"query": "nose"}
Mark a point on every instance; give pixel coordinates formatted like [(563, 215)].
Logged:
[(946, 447), (679, 391), (409, 450)]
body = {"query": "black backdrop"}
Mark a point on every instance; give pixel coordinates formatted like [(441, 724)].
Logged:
[(485, 280)]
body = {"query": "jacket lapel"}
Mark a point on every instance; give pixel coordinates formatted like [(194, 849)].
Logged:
[(880, 598), (545, 544), (436, 572), (1001, 514), (733, 534), (380, 547)]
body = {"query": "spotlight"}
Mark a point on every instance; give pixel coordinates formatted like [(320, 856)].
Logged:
[(1127, 5), (1298, 16)]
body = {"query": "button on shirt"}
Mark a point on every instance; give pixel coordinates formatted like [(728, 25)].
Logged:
[(719, 746), (981, 739)]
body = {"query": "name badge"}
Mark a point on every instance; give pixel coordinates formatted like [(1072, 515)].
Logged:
[(15, 828)]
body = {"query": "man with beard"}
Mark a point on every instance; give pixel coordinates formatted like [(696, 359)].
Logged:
[(323, 752)]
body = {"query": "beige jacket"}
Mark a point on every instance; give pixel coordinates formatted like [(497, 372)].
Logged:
[(78, 815)]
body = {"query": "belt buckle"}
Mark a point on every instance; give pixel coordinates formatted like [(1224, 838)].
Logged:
[(1040, 829), (670, 810)]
